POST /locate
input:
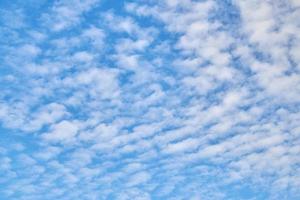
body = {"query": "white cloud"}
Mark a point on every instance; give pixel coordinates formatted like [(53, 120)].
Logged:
[(182, 146), (29, 50), (138, 178), (168, 99), (83, 57), (65, 14), (62, 132), (96, 36)]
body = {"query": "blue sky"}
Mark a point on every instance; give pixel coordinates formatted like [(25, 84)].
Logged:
[(149, 99)]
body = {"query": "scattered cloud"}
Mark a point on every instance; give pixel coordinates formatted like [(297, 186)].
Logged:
[(150, 100)]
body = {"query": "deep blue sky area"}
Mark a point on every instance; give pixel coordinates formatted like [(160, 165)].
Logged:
[(158, 99)]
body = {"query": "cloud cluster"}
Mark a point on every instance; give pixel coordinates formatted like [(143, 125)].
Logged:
[(153, 99)]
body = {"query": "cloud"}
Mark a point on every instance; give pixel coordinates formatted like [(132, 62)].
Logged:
[(64, 132), (150, 100), (65, 14), (138, 178)]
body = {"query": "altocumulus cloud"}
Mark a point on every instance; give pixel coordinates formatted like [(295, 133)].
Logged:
[(160, 99)]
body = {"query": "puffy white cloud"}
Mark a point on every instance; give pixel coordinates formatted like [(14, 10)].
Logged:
[(65, 14), (64, 132)]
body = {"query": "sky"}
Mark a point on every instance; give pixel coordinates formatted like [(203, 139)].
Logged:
[(150, 99)]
